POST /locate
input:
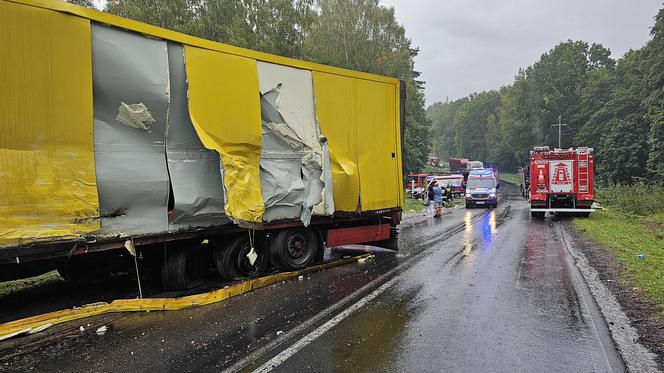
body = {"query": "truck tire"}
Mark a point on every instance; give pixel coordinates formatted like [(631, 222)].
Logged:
[(84, 273), (537, 214), (183, 265), (233, 264), (294, 249), (584, 214)]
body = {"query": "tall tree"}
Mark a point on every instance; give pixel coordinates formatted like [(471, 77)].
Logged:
[(654, 103)]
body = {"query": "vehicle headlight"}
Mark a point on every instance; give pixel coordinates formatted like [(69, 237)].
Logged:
[(492, 195), (467, 195)]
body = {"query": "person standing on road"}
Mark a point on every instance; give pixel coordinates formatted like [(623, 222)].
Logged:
[(429, 192), (437, 198)]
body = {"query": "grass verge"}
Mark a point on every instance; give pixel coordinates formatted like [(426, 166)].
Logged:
[(413, 205), (628, 236), (512, 178)]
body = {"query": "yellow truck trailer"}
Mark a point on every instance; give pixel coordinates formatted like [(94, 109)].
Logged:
[(116, 134)]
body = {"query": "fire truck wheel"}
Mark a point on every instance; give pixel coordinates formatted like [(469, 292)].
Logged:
[(293, 249), (234, 261), (537, 214), (183, 265), (584, 214)]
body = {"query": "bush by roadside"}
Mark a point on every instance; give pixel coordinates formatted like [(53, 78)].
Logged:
[(639, 199)]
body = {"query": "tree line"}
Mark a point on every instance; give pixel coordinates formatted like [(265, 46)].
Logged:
[(613, 106), (356, 34)]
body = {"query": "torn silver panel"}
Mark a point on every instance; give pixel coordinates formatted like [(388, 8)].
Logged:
[(292, 141), (130, 87), (194, 170)]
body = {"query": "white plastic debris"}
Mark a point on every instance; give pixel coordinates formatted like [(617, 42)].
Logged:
[(300, 278), (81, 328), (40, 328), (280, 332), (252, 256), (135, 115), (102, 330), (129, 245)]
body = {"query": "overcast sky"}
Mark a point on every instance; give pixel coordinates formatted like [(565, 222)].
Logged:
[(473, 45)]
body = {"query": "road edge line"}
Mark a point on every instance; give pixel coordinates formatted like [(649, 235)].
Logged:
[(312, 336)]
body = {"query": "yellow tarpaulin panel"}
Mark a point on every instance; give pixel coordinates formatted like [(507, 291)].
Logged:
[(47, 173), (335, 109), (377, 145), (224, 105), (397, 135)]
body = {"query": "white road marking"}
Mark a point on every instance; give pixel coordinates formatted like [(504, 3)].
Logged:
[(297, 346)]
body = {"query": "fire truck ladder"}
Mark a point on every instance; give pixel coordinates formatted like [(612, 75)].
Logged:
[(582, 171)]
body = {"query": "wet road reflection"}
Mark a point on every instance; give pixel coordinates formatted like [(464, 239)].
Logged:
[(499, 296), (477, 290)]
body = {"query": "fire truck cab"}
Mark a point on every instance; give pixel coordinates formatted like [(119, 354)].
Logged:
[(561, 181)]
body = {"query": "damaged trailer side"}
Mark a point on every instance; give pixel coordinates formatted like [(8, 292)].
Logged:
[(186, 140)]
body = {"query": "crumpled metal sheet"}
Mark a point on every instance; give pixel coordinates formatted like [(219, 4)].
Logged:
[(132, 177), (194, 170), (224, 108), (281, 182), (291, 135), (47, 174)]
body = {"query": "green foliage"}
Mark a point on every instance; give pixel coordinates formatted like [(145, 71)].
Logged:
[(637, 199), (616, 107), (85, 3), (413, 205), (356, 34), (510, 177)]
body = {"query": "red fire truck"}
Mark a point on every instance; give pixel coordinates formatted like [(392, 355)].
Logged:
[(561, 181)]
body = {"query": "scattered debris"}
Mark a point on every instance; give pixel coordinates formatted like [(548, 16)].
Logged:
[(280, 332), (102, 330), (40, 328), (81, 328), (300, 278), (135, 116), (252, 256), (362, 260), (641, 256)]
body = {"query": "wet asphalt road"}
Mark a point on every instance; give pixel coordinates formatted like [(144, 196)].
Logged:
[(476, 290)]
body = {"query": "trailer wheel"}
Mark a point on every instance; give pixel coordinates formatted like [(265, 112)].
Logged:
[(293, 249), (183, 265), (83, 273), (233, 263)]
